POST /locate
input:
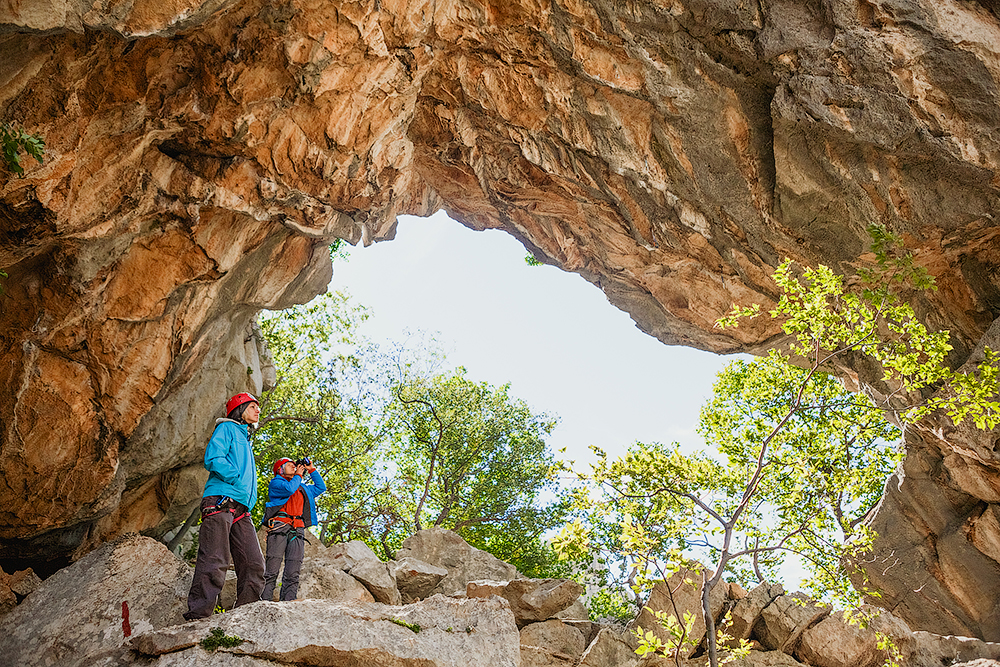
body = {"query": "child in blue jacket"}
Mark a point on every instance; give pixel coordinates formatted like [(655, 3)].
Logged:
[(290, 509)]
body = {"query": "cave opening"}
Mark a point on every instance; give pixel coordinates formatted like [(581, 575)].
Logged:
[(553, 336)]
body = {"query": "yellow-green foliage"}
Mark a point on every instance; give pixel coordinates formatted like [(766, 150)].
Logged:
[(415, 627), (798, 461)]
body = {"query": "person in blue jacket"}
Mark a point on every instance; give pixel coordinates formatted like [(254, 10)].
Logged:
[(290, 509), (226, 528)]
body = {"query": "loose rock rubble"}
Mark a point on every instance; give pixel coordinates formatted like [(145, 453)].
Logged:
[(122, 604), (15, 587)]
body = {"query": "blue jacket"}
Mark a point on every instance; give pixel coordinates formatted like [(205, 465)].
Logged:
[(229, 459), (281, 489)]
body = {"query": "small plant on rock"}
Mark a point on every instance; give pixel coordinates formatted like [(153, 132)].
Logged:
[(415, 627), (13, 142), (218, 638)]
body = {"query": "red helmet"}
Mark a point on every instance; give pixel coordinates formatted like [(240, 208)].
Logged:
[(238, 400), (279, 463)]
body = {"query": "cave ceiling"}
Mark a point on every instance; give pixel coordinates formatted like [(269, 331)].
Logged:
[(202, 155)]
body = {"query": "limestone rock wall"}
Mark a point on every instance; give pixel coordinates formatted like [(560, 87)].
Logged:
[(939, 544), (201, 156)]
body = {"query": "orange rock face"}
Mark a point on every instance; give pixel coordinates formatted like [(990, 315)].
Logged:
[(202, 155)]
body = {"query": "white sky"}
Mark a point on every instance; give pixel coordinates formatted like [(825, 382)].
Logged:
[(552, 335)]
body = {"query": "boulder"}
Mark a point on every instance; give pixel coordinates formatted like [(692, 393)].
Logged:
[(360, 562), (463, 562), (261, 537), (748, 607), (192, 657), (318, 579), (347, 555), (415, 579), (227, 597), (589, 629), (554, 637), (534, 656), (736, 592), (835, 643), (683, 593), (785, 619), (322, 579), (609, 649), (540, 599), (891, 626), (21, 583), (173, 638), (438, 632), (129, 586), (378, 578), (766, 659), (7, 600), (485, 588), (575, 612), (930, 650), (530, 599), (15, 587)]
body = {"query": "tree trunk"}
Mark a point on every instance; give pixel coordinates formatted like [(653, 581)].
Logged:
[(706, 610), (179, 537)]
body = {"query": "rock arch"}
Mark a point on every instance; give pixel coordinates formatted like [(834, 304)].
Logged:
[(201, 155)]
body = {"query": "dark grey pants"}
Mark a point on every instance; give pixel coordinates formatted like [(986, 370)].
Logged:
[(288, 543), (219, 540)]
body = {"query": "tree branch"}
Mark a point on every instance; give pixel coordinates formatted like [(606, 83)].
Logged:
[(434, 450)]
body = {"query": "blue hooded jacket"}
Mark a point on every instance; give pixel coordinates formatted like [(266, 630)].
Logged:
[(232, 470), (280, 490)]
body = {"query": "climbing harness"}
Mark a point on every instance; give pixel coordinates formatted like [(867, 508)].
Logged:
[(273, 521), (225, 504)]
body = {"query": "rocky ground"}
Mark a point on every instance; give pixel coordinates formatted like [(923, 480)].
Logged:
[(441, 603)]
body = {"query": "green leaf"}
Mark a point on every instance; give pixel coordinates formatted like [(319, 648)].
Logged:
[(15, 140)]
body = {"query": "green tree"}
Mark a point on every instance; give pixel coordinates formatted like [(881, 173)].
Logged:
[(799, 460), (308, 413), (804, 488), (824, 471), (472, 458), (403, 446)]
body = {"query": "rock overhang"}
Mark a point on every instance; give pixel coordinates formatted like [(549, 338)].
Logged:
[(201, 156)]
